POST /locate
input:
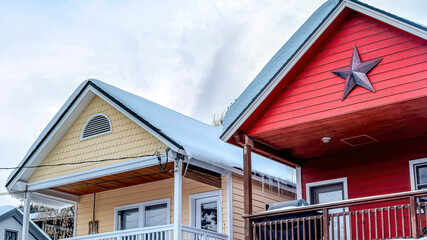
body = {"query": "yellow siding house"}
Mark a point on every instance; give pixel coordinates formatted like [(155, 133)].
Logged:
[(137, 170)]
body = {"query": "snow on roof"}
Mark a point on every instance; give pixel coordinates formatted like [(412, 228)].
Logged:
[(286, 52), (6, 208), (200, 141)]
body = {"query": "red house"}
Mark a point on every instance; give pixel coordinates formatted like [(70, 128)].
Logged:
[(344, 101)]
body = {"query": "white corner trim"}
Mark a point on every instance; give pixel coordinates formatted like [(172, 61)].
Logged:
[(230, 205), (412, 165), (141, 210), (95, 173), (99, 134), (192, 206), (327, 182), (298, 182)]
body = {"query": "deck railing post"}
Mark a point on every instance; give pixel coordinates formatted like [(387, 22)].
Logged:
[(247, 184), (413, 214), (325, 224)]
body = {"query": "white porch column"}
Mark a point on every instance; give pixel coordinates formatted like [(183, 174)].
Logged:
[(230, 205), (177, 200), (299, 183), (26, 218)]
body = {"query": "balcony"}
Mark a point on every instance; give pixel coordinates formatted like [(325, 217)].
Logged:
[(399, 215), (155, 233)]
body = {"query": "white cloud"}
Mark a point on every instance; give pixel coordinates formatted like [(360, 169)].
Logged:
[(195, 56)]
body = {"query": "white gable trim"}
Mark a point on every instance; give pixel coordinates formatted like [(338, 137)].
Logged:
[(272, 85), (65, 123), (386, 19), (53, 138)]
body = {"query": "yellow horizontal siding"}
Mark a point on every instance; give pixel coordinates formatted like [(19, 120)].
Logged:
[(126, 139), (108, 200), (259, 200)]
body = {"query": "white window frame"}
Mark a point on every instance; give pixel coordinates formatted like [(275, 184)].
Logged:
[(412, 165), (99, 134), (327, 182), (141, 211), (192, 202)]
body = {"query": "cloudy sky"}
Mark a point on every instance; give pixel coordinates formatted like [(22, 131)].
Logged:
[(192, 56)]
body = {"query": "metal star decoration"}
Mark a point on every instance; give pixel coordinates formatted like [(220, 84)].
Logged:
[(355, 74)]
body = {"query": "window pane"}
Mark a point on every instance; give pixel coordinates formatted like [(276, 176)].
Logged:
[(11, 235), (156, 215), (421, 172), (209, 216), (128, 219), (327, 193)]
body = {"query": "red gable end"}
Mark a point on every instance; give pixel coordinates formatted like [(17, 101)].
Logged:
[(310, 106)]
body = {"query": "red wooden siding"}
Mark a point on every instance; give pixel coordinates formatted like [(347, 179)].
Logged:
[(369, 171), (316, 93)]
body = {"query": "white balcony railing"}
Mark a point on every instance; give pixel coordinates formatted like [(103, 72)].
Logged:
[(155, 233), (191, 233)]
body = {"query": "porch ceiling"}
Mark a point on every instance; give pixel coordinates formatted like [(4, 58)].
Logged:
[(388, 123), (120, 180)]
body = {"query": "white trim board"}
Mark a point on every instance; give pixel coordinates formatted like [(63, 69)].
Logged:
[(230, 228), (309, 43), (412, 164), (327, 182)]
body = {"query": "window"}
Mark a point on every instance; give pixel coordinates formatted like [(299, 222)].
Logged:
[(420, 180), (418, 174), (146, 214), (98, 124), (206, 211), (327, 193), (11, 235)]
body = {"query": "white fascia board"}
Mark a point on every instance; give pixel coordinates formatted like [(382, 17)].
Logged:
[(272, 85), (55, 195), (386, 19), (95, 173), (53, 138), (130, 116)]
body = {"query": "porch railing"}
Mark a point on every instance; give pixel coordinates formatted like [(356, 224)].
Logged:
[(191, 233), (400, 215), (164, 232)]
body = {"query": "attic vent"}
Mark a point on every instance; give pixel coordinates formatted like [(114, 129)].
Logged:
[(359, 140), (98, 124)]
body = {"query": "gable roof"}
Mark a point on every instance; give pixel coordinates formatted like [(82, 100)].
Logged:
[(271, 74), (199, 140), (8, 211)]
